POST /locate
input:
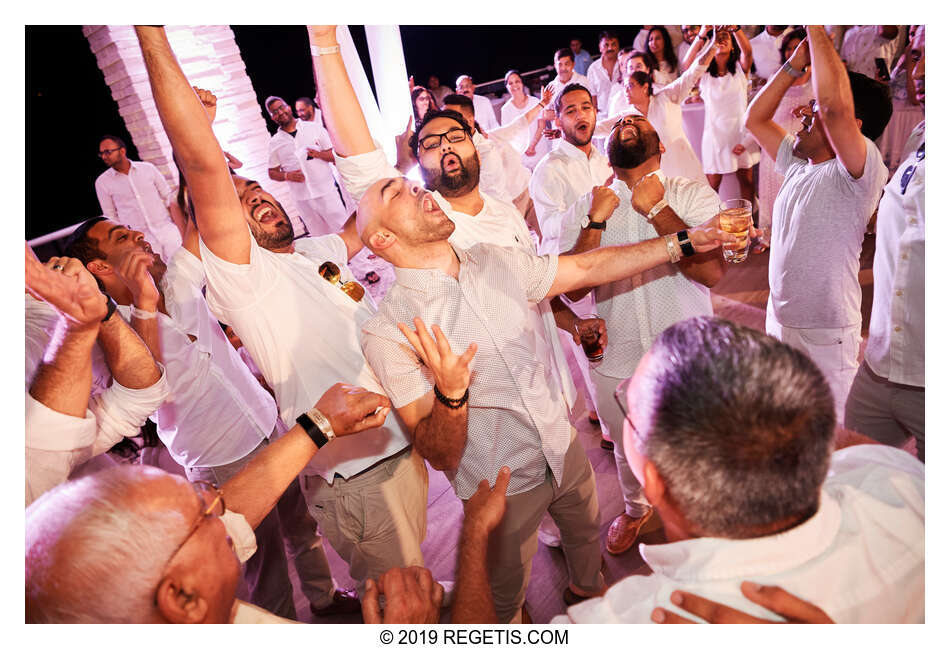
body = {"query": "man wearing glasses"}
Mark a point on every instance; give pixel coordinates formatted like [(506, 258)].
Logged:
[(300, 326), (637, 310), (136, 193), (833, 180)]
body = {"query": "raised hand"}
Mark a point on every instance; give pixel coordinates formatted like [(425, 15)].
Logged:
[(603, 203), (547, 95), (352, 409), (208, 101), (132, 268), (451, 371), (646, 194), (404, 157), (485, 509), (777, 600), (412, 597), (65, 284), (708, 236), (801, 57)]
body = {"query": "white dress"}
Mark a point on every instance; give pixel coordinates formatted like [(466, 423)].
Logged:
[(725, 99), (769, 180), (510, 112)]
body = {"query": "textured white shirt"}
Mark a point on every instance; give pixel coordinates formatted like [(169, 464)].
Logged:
[(140, 199), (861, 45), (57, 443), (766, 52), (485, 112), (561, 190), (895, 347), (818, 225), (637, 309), (217, 412), (860, 558), (303, 333), (515, 413)]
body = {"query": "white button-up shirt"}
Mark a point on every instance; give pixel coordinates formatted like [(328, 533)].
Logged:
[(639, 308), (895, 347), (515, 413), (561, 190), (860, 558), (602, 82), (303, 334), (557, 85), (289, 152), (57, 443), (140, 200), (766, 54), (485, 112)]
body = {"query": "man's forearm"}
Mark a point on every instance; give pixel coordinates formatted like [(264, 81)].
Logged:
[(64, 384), (341, 108), (564, 318), (441, 437), (255, 490), (473, 599), (605, 265), (706, 267), (762, 109), (127, 356)]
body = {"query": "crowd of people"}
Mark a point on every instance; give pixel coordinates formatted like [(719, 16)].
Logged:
[(300, 410)]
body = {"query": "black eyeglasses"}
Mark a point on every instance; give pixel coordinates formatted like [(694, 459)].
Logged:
[(911, 170), (434, 140), (107, 151)]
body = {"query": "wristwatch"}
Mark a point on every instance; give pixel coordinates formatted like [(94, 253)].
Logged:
[(587, 224), (790, 71), (317, 426)]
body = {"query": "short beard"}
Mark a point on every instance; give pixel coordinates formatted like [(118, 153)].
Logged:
[(572, 138), (274, 240), (633, 153), (456, 185)]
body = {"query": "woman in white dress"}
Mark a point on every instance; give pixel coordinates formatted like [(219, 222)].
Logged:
[(798, 95), (661, 56), (727, 146), (662, 107), (532, 147)]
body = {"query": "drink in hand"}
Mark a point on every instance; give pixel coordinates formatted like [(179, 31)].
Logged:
[(735, 217)]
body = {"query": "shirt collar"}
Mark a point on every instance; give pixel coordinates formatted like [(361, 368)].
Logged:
[(711, 558), (418, 279), (572, 151)]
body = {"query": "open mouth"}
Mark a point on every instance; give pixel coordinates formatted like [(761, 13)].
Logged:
[(451, 162), (265, 213)]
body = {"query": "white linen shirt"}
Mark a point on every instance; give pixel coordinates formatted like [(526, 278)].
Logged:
[(818, 224), (561, 190), (57, 443), (140, 199), (303, 334), (485, 112), (895, 347), (515, 414), (217, 412), (766, 52), (602, 82), (860, 558), (319, 173), (282, 152), (639, 308)]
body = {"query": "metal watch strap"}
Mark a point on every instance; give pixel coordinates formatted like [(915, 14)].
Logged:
[(656, 209), (317, 427), (792, 72), (686, 246)]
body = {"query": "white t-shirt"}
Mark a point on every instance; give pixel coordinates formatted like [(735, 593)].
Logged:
[(766, 54), (860, 558), (818, 226), (303, 333)]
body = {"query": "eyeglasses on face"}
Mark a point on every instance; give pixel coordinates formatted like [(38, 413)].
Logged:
[(434, 140), (212, 500), (331, 272), (107, 151)]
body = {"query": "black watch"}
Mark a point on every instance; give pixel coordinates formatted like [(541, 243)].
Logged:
[(110, 308), (593, 225), (685, 245)]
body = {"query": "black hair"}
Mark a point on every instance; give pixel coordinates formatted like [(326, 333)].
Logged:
[(80, 245), (450, 114), (115, 138), (641, 78), (459, 100), (669, 56), (872, 104), (564, 51), (433, 104), (307, 100), (607, 33), (800, 34), (730, 64), (650, 62), (571, 87)]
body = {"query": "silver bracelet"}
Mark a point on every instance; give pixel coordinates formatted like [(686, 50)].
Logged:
[(143, 315), (316, 50), (322, 423), (792, 72), (672, 248), (657, 209)]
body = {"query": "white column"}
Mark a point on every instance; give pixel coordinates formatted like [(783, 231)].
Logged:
[(391, 79), (211, 59)]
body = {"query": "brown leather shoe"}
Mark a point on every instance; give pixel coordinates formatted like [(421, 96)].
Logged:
[(624, 530), (344, 602)]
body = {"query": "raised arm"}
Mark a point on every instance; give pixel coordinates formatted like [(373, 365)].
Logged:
[(341, 108), (829, 80), (218, 212), (759, 115), (606, 265), (679, 89), (698, 44), (745, 49)]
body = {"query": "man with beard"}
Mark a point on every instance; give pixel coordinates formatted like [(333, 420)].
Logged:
[(833, 176), (638, 309), (217, 416), (483, 293), (299, 152), (298, 310)]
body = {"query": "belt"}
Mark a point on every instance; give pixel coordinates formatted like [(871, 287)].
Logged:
[(408, 449)]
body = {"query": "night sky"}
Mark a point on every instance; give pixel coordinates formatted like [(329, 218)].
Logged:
[(68, 105)]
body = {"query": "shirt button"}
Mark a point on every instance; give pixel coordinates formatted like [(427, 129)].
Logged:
[(899, 293), (897, 328), (904, 256)]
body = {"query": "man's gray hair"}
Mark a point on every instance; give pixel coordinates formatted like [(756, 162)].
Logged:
[(94, 554), (741, 426), (463, 76), (270, 100)]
